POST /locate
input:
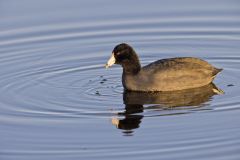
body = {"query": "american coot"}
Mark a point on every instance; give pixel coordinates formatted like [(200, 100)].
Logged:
[(162, 75)]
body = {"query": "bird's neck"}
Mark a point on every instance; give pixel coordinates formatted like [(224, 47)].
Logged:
[(131, 67)]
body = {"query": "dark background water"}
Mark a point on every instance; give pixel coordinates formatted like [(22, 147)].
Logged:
[(59, 102)]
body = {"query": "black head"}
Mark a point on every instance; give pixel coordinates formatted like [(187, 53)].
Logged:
[(123, 54)]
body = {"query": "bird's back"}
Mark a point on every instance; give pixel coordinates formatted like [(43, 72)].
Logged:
[(174, 74)]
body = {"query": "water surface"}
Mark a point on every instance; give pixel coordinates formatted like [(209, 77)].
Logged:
[(59, 102)]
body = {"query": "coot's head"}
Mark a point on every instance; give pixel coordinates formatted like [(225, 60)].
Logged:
[(124, 55)]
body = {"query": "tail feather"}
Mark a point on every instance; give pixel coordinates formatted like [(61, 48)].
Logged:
[(216, 71)]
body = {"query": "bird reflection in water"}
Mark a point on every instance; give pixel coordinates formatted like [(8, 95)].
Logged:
[(178, 101)]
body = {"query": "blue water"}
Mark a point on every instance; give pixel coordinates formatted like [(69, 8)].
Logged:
[(58, 101)]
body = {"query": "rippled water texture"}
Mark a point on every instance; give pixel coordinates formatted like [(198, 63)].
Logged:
[(59, 102)]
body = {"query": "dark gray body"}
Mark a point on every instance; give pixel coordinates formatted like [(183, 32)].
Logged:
[(171, 74)]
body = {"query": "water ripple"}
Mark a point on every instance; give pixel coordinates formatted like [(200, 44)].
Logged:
[(59, 102)]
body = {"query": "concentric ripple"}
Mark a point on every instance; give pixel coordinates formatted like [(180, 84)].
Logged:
[(58, 101), (52, 80), (76, 86)]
